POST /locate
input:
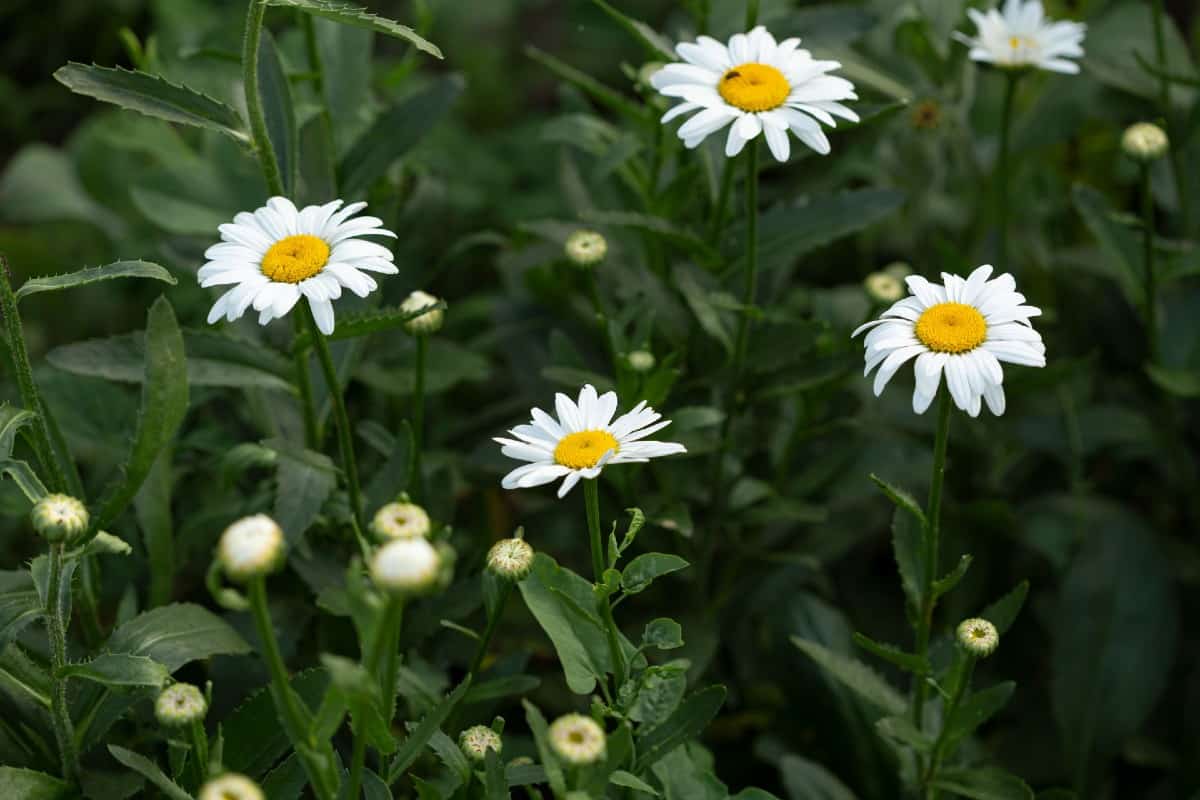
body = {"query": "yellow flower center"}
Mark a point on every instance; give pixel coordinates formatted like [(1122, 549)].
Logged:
[(951, 328), (295, 258), (754, 87), (584, 449)]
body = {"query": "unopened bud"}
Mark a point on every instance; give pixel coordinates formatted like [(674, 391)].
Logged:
[(477, 740), (978, 637), (179, 705), (511, 559), (60, 518), (400, 521), (586, 248), (577, 739), (641, 360), (406, 566), (251, 547), (423, 324), (883, 287), (230, 786), (1144, 141)]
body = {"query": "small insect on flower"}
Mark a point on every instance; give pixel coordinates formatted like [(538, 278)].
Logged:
[(179, 705), (758, 85), (963, 327), (400, 521), (60, 518), (978, 637), (477, 740), (582, 441), (577, 739), (1020, 36), (278, 254), (251, 547), (585, 248), (1145, 141), (231, 786), (427, 323), (510, 559), (406, 566)]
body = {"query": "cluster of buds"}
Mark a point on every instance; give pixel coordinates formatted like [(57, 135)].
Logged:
[(60, 519), (477, 740), (427, 323)]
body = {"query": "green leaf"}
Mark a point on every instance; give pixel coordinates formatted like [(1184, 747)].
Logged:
[(364, 323), (177, 215), (902, 730), (909, 662), (498, 688), (1179, 382), (630, 781), (856, 676), (581, 80), (906, 548), (304, 479), (360, 691), (12, 419), (394, 133), (699, 290), (657, 226), (254, 739), (118, 269), (541, 737), (280, 116), (495, 784), (982, 783), (1118, 242), (152, 506), (1003, 612), (177, 634), (663, 633), (951, 579), (153, 96), (349, 14), (579, 642), (148, 769), (19, 606), (977, 709), (286, 781), (25, 784), (658, 46), (164, 403), (686, 722), (644, 569), (810, 780), (119, 669), (430, 724), (901, 498), (450, 754), (25, 478)]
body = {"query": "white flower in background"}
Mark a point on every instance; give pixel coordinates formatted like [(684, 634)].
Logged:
[(978, 637), (883, 287), (426, 323), (1145, 141), (582, 441), (277, 254), (230, 786), (759, 86), (577, 739), (585, 248), (251, 547), (406, 566), (400, 521), (1021, 36), (964, 328), (180, 704)]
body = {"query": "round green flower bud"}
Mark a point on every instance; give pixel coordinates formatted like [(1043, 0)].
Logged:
[(641, 360), (1145, 141), (511, 559), (251, 547), (586, 248), (577, 739), (400, 521), (883, 287), (406, 566), (60, 518), (427, 323), (978, 637), (477, 740), (180, 705), (231, 786)]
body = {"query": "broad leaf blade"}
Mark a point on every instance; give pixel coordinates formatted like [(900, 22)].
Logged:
[(26, 784), (856, 676), (277, 108), (120, 670), (687, 721), (349, 14), (118, 269)]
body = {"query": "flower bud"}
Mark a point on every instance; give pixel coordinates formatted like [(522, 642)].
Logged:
[(978, 637), (586, 248), (477, 740), (251, 547), (406, 566), (60, 518), (231, 786), (1144, 141), (883, 287), (180, 705), (510, 559), (641, 360), (110, 545), (400, 521), (427, 323), (577, 739)]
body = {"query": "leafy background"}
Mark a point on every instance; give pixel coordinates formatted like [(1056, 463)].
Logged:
[(1085, 488)]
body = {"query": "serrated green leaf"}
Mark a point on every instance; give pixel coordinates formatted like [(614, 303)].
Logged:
[(26, 784), (177, 634), (174, 214), (1003, 613), (20, 605), (1118, 242), (650, 38), (643, 570), (975, 710), (982, 783), (349, 14), (12, 419), (26, 479), (119, 669), (277, 108), (254, 739), (856, 676), (657, 226), (630, 781), (304, 479), (151, 95), (695, 286), (360, 690), (951, 579), (900, 497), (906, 548), (150, 771), (686, 722), (351, 326), (118, 269), (909, 662), (430, 724)]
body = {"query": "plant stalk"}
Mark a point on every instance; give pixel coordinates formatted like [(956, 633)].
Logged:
[(935, 756), (1164, 101), (258, 121), (1151, 279), (591, 496), (416, 483), (312, 431), (1002, 168), (56, 626)]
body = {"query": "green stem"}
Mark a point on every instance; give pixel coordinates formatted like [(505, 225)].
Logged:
[(1164, 100), (1151, 287), (258, 121), (199, 751), (312, 431), (930, 546), (416, 483), (717, 223), (935, 755), (385, 646), (1002, 169), (341, 420), (492, 623), (751, 13), (750, 278), (591, 496), (64, 731)]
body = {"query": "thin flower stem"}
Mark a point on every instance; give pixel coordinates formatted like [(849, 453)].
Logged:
[(717, 223), (1151, 279), (1164, 100), (416, 483), (591, 495), (935, 755), (385, 646), (312, 431), (341, 420), (56, 626), (492, 623), (750, 278), (930, 546), (751, 13), (258, 121), (1002, 168)]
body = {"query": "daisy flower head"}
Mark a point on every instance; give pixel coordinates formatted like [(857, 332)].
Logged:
[(582, 441), (278, 254), (1020, 36), (962, 327), (754, 85)]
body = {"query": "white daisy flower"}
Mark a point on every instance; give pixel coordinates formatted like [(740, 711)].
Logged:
[(582, 440), (758, 85), (278, 254), (964, 328), (1021, 36)]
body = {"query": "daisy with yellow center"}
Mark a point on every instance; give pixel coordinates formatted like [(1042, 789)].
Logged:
[(278, 254), (582, 441), (1020, 36), (962, 327), (754, 85)]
